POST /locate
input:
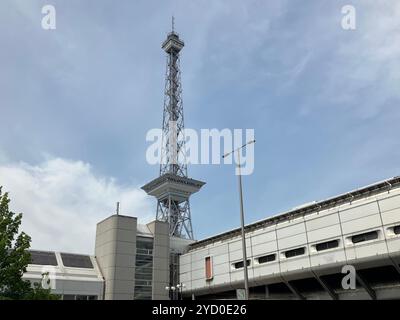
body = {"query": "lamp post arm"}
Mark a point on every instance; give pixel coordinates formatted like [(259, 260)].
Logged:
[(237, 149), (245, 271)]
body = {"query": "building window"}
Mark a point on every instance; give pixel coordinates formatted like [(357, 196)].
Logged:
[(365, 237), (143, 283), (143, 268), (240, 264), (209, 269), (144, 251), (43, 258), (267, 258), (295, 252), (396, 230), (76, 261), (78, 297), (327, 245)]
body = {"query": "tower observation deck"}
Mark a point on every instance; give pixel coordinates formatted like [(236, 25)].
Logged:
[(173, 188)]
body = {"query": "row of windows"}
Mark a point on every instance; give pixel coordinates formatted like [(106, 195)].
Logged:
[(290, 253), (367, 236), (69, 260), (78, 297), (144, 268)]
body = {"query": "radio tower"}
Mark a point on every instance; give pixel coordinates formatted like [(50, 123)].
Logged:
[(173, 187)]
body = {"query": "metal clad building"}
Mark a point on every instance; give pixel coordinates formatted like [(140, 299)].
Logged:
[(300, 254)]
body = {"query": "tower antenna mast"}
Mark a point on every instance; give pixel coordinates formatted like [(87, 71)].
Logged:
[(173, 187)]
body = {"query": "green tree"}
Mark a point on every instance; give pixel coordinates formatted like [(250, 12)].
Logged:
[(14, 254), (15, 257), (40, 293)]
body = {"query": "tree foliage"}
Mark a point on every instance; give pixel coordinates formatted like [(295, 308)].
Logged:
[(14, 254), (39, 293), (15, 257)]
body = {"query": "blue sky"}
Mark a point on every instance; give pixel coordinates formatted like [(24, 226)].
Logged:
[(76, 103)]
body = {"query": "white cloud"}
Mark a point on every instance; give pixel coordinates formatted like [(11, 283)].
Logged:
[(365, 72), (62, 201)]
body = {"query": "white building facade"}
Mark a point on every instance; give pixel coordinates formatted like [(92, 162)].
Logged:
[(301, 253), (72, 276)]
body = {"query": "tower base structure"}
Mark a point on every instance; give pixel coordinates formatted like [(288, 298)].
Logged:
[(172, 193)]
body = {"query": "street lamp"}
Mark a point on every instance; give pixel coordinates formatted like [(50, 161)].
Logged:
[(246, 277), (180, 287), (172, 289)]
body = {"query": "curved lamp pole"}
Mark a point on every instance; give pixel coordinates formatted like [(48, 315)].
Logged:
[(246, 276)]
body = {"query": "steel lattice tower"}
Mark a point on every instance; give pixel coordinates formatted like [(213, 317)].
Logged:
[(173, 146), (173, 187)]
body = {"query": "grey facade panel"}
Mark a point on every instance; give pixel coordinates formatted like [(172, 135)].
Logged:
[(160, 259), (116, 255)]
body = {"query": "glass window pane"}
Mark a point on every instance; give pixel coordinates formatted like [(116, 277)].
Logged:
[(240, 264), (365, 237), (268, 258), (295, 252), (144, 268), (43, 258), (327, 245), (76, 261)]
